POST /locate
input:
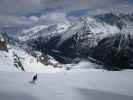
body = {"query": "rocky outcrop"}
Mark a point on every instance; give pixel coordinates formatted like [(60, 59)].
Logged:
[(115, 51), (3, 42)]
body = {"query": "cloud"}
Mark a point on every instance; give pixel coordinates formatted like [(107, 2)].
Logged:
[(14, 12), (50, 18), (34, 18), (53, 18), (19, 6), (26, 6), (123, 6), (11, 20), (72, 5)]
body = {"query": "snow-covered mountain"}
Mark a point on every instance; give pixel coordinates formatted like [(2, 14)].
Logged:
[(17, 57), (9, 62), (86, 38), (86, 28), (42, 31), (122, 21), (13, 57), (68, 30)]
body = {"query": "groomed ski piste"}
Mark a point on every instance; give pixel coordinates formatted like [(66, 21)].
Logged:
[(82, 82)]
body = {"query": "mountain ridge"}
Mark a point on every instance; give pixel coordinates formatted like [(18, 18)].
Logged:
[(81, 39)]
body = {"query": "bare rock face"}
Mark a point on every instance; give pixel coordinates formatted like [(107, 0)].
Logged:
[(116, 51), (3, 42)]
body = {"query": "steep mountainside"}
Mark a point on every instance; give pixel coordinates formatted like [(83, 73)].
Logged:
[(14, 57), (80, 39)]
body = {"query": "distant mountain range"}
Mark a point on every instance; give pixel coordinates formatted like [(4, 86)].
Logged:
[(105, 38)]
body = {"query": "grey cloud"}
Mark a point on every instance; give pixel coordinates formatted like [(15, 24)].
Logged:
[(19, 6), (71, 5), (53, 18), (15, 20), (25, 6), (12, 11)]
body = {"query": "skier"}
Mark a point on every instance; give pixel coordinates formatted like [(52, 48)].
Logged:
[(34, 79)]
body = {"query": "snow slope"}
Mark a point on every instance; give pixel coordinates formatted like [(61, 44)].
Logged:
[(75, 85), (29, 62)]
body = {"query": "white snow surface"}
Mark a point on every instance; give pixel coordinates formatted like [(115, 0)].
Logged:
[(70, 85), (29, 62)]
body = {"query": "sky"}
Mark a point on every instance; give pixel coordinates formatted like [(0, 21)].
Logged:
[(24, 13)]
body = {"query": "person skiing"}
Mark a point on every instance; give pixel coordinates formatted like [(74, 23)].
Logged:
[(34, 79)]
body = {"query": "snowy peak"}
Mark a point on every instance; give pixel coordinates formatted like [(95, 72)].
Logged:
[(34, 29), (42, 31), (84, 38), (67, 30), (31, 33), (119, 20), (99, 28)]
